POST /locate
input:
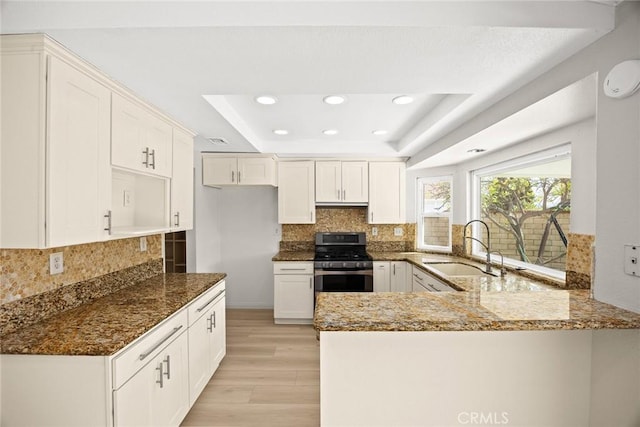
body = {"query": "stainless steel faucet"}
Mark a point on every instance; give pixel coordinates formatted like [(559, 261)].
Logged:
[(487, 247), (503, 271)]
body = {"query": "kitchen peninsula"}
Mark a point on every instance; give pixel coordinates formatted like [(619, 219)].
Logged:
[(500, 352)]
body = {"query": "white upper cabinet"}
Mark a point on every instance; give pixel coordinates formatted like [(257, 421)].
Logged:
[(182, 182), (296, 195), (55, 173), (140, 140), (387, 193), (82, 158), (342, 182), (221, 170)]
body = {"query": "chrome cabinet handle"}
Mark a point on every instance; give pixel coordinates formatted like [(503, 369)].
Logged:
[(344, 194), (153, 155), (159, 343), (371, 216), (108, 216), (177, 217), (168, 362), (214, 319), (292, 269), (146, 157), (394, 269), (210, 301), (160, 381), (238, 177), (310, 283), (209, 324), (233, 176)]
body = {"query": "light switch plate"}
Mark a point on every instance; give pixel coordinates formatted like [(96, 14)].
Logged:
[(397, 231), (143, 244), (632, 260), (127, 198), (56, 263), (374, 231)]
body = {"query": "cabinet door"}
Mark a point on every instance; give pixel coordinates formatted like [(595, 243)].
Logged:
[(381, 277), (140, 141), (182, 182), (170, 402), (293, 296), (78, 170), (355, 182), (218, 335), (399, 281), (219, 170), (256, 171), (328, 182), (296, 195), (158, 394), (387, 193), (200, 363)]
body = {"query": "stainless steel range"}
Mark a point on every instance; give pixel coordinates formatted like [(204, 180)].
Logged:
[(341, 263)]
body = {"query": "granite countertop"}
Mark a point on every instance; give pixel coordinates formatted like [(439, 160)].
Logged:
[(294, 256), (105, 325), (486, 303)]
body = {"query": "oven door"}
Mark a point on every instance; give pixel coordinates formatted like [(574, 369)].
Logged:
[(344, 280)]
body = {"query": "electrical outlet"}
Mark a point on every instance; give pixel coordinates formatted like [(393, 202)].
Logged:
[(56, 263), (143, 244), (632, 260), (127, 198), (397, 231), (374, 231)]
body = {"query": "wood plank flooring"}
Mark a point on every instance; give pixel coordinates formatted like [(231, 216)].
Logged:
[(269, 377)]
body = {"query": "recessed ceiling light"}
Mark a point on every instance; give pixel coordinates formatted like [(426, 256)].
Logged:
[(476, 150), (334, 99), (379, 132), (402, 100), (330, 131), (281, 132), (266, 99)]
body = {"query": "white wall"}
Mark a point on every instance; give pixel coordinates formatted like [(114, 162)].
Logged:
[(250, 237), (617, 195), (235, 231)]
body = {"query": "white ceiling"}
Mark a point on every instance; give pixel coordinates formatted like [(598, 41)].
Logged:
[(456, 58)]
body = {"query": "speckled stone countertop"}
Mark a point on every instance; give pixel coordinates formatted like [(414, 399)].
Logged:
[(293, 256), (106, 325), (486, 303)]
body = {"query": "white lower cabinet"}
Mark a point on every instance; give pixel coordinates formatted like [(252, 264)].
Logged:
[(381, 277), (153, 381), (158, 394), (207, 339), (293, 292), (400, 276), (391, 276), (424, 282)]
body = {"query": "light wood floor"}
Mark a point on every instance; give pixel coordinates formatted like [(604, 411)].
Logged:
[(269, 377)]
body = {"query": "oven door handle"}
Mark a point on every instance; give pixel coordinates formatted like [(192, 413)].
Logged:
[(344, 273)]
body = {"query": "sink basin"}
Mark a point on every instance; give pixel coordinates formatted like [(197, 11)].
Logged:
[(458, 269)]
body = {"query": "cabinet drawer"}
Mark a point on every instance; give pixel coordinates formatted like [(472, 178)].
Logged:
[(293, 267), (205, 301), (140, 352)]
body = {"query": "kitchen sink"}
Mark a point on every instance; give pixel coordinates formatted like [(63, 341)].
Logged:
[(458, 269)]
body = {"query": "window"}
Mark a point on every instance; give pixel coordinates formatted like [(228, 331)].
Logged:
[(526, 203), (434, 213)]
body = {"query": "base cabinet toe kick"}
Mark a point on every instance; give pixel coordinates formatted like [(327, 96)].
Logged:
[(152, 381)]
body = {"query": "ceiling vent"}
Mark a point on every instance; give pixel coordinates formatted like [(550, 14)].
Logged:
[(218, 141)]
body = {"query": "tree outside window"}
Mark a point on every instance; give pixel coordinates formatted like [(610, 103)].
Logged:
[(434, 224), (528, 211)]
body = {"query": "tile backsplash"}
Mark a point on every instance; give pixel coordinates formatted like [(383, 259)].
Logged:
[(302, 236), (25, 272)]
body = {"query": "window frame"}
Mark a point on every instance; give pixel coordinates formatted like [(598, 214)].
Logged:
[(540, 157), (420, 216)]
